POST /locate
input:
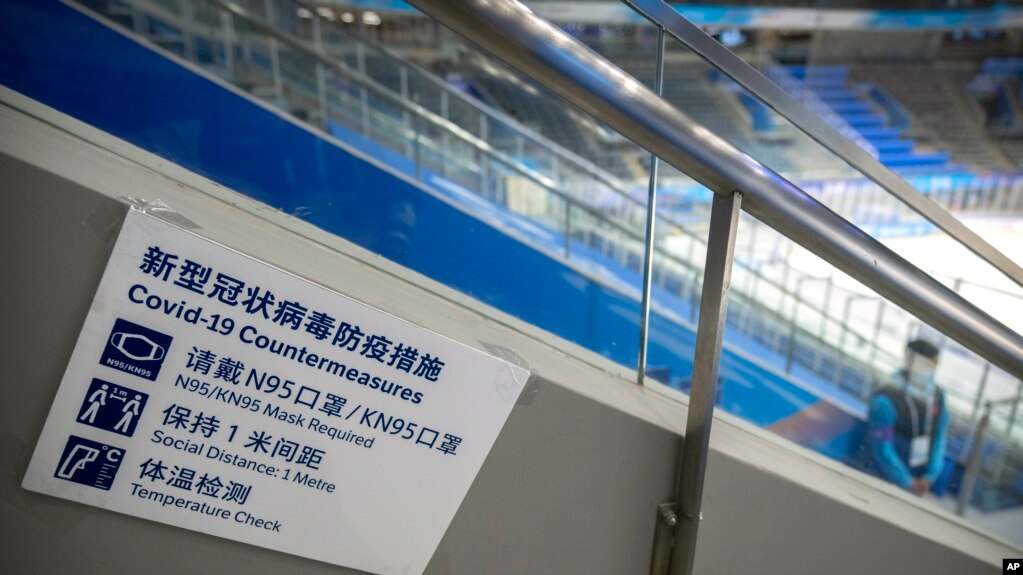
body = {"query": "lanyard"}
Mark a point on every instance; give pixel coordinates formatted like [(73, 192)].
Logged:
[(913, 416)]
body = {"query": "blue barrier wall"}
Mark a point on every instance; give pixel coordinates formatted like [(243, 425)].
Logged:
[(66, 60)]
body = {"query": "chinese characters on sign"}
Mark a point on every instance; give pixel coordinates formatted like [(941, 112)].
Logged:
[(214, 392)]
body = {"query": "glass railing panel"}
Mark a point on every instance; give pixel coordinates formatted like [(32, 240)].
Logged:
[(793, 319), (799, 332), (364, 102), (393, 112), (828, 399), (717, 102), (799, 317)]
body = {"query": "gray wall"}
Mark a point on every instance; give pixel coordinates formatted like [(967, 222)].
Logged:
[(571, 485)]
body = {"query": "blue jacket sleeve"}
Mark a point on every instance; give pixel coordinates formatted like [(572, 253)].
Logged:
[(939, 441), (881, 440)]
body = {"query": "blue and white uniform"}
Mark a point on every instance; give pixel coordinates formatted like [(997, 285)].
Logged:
[(908, 431)]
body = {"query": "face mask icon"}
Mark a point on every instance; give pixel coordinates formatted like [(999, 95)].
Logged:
[(136, 346)]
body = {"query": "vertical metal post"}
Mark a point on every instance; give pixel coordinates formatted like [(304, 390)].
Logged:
[(846, 310), (796, 300), (947, 194), (724, 219), (245, 39), (1007, 442), (360, 66), (417, 120), (959, 200), (878, 322), (406, 117), (275, 56), (790, 351), (758, 273), (321, 74), (784, 289), (973, 463), (980, 390), (977, 195), (227, 23), (946, 201), (321, 94), (568, 228), (137, 23), (186, 30), (484, 162), (651, 219), (444, 134), (825, 307), (664, 528)]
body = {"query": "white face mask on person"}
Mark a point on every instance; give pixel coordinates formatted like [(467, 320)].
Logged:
[(920, 372)]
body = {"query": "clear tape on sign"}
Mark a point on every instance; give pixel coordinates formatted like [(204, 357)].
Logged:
[(159, 209), (530, 385)]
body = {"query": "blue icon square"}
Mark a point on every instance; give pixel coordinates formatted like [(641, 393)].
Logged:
[(137, 350), (89, 462), (112, 407)]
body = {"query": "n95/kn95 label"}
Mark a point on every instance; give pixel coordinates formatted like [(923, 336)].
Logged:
[(214, 392)]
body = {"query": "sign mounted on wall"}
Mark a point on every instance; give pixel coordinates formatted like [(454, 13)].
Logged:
[(214, 392)]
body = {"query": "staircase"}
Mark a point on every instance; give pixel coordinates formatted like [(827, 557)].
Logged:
[(934, 95), (878, 122)]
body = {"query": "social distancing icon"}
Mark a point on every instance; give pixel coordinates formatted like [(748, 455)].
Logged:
[(112, 407), (136, 349), (89, 463)]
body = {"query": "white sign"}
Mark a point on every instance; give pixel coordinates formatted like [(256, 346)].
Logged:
[(214, 392)]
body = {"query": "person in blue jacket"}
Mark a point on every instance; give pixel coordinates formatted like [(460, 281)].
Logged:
[(908, 423)]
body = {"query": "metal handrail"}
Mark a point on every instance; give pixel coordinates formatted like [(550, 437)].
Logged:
[(549, 186), (569, 69), (662, 14), (502, 158), (485, 148), (573, 203)]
